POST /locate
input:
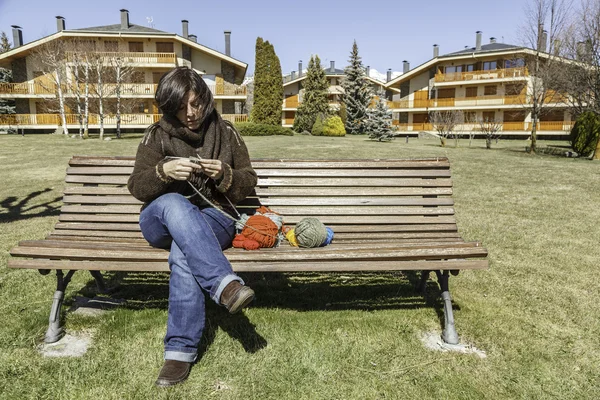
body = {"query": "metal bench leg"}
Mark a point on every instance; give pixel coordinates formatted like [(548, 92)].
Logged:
[(55, 331), (449, 334), (99, 281)]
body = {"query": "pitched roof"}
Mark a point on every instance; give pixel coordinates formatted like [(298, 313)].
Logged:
[(485, 48), (117, 28)]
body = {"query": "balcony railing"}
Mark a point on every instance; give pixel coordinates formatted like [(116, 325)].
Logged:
[(130, 57), (109, 89), (458, 102), (287, 121), (505, 126), (94, 119), (483, 75)]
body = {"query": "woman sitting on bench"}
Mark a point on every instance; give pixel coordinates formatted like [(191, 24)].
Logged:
[(188, 163)]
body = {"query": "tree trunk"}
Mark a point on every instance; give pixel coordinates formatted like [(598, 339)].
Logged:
[(78, 96), (61, 102), (118, 89), (86, 116), (100, 100), (488, 142), (443, 141)]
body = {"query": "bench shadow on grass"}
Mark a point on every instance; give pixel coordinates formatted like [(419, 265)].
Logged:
[(14, 209), (298, 291)]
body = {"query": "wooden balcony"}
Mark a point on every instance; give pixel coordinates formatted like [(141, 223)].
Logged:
[(131, 57), (287, 121), (291, 102), (35, 89), (458, 102), (555, 126), (110, 120), (505, 73)]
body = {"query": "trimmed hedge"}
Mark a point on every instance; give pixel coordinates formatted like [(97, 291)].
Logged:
[(251, 129), (317, 128)]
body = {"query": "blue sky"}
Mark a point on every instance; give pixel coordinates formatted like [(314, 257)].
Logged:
[(386, 32)]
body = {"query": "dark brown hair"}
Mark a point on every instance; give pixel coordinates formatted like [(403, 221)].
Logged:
[(173, 86)]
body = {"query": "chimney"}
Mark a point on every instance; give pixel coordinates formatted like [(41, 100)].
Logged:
[(228, 43), (436, 50), (389, 75), (60, 23), (368, 71), (193, 38), (184, 28), (477, 40), (300, 69), (332, 66), (293, 75), (544, 41), (492, 40), (124, 19), (405, 66), (17, 36)]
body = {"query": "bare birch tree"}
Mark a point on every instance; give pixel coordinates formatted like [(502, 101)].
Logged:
[(445, 123), (52, 60), (122, 70), (545, 22), (491, 129)]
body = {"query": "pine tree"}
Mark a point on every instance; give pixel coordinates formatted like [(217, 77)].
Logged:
[(378, 123), (314, 101), (6, 106), (357, 93), (268, 85)]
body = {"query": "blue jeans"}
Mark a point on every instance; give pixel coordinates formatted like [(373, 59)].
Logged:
[(196, 238)]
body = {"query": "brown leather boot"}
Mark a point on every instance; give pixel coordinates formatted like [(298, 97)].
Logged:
[(173, 372), (236, 296)]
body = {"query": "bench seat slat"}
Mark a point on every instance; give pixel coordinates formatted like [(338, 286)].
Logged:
[(67, 220), (284, 211), (281, 172), (285, 163), (308, 255), (285, 192), (285, 247), (331, 200), (345, 266), (292, 182)]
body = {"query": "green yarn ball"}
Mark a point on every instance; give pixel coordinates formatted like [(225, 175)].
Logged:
[(310, 232)]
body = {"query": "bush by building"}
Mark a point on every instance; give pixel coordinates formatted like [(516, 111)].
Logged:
[(251, 129), (585, 134)]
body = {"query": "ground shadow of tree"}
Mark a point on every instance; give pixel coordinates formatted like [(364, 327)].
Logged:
[(12, 209)]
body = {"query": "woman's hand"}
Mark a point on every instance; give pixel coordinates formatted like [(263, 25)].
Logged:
[(212, 168), (180, 169)]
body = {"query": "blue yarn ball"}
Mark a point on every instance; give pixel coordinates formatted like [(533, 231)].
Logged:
[(329, 237)]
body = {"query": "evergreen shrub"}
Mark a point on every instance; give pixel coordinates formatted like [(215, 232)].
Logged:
[(252, 129), (333, 126), (585, 133), (317, 128)]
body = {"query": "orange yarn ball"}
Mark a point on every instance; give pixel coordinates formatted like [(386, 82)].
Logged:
[(242, 242), (264, 232)]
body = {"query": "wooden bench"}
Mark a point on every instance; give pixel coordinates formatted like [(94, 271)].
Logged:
[(387, 215)]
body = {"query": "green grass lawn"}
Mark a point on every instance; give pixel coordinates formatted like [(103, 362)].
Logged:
[(535, 312)]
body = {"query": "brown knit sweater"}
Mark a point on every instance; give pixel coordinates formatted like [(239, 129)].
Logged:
[(216, 139)]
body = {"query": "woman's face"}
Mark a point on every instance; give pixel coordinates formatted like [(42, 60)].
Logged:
[(190, 111)]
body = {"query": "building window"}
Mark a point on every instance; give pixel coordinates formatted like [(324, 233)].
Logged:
[(489, 116), (136, 47), (454, 68), (489, 65), (470, 67), (164, 47), (471, 91), (490, 90), (111, 46), (516, 63), (514, 89), (470, 117)]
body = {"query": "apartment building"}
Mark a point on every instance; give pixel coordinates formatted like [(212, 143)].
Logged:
[(146, 53), (490, 82), (293, 90)]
